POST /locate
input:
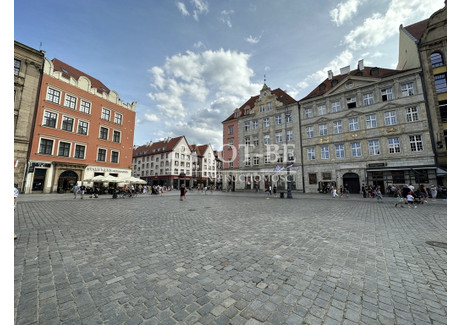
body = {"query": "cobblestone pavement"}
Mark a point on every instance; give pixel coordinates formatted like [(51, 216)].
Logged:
[(228, 258)]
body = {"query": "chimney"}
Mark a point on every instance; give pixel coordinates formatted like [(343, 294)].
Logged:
[(329, 75), (361, 65), (345, 70)]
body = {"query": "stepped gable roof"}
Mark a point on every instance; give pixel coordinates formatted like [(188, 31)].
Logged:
[(367, 72), (166, 145), (281, 96), (69, 71), (417, 29)]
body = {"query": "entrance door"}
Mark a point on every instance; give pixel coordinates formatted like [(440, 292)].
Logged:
[(39, 180), (352, 181), (66, 181)]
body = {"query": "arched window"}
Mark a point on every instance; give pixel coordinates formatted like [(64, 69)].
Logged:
[(436, 60)]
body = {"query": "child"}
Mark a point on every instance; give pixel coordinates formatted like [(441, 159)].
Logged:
[(399, 200), (410, 200)]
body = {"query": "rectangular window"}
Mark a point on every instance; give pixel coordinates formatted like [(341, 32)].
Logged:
[(387, 94), (411, 114), (247, 161), (114, 157), (46, 147), (416, 143), (335, 106), (267, 139), (312, 179), (374, 147), (308, 113), (289, 135), (117, 118), (230, 129), (79, 152), (351, 102), (371, 121), (103, 133), (255, 161), (390, 118), (64, 149), (321, 109), (407, 89), (309, 132), (269, 106), (324, 152), (322, 129), (255, 141), (101, 154), (85, 106), (266, 122), (247, 141), (279, 137), (70, 101), (49, 119), (266, 159), (116, 136), (311, 154), (53, 95), (288, 117), (393, 145), (17, 67), (337, 125), (247, 126), (255, 124), (353, 124), (440, 83), (356, 149), (261, 108), (339, 151), (105, 115), (67, 124), (278, 119), (368, 99), (291, 156), (82, 127)]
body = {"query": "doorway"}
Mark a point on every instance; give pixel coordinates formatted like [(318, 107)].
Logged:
[(352, 181), (66, 181)]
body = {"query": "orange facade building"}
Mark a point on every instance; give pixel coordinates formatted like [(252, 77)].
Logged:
[(82, 129)]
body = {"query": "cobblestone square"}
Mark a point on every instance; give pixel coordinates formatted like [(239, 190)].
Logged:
[(228, 258)]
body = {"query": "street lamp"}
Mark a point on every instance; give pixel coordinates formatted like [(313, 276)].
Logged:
[(289, 193)]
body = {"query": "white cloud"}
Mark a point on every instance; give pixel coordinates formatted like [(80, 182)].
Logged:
[(199, 45), (225, 17), (201, 7), (196, 91), (151, 117), (182, 8), (344, 11), (252, 39)]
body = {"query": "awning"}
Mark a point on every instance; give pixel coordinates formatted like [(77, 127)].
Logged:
[(441, 172)]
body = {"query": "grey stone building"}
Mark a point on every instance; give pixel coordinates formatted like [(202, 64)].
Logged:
[(367, 126)]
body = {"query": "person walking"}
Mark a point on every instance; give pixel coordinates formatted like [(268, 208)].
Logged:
[(75, 189), (399, 201), (410, 200), (378, 195), (334, 192), (182, 192), (82, 191), (434, 192)]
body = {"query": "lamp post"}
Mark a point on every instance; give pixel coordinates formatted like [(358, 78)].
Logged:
[(289, 193)]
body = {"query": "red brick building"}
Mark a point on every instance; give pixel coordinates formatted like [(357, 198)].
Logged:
[(82, 129)]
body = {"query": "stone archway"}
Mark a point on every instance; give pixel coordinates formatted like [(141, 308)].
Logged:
[(352, 181), (66, 181)]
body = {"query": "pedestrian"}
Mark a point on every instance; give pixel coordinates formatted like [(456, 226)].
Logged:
[(410, 200), (82, 191), (345, 189), (267, 192), (378, 194), (75, 190), (334, 192), (182, 192), (423, 193), (16, 194), (270, 189), (399, 201), (274, 190), (434, 192), (363, 189)]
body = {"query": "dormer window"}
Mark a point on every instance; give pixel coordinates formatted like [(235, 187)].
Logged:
[(334, 82), (322, 86), (351, 102), (237, 114)]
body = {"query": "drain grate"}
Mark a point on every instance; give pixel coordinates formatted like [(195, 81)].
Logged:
[(437, 244)]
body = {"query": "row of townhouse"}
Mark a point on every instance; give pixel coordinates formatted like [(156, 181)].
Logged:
[(68, 126), (369, 125), (173, 162)]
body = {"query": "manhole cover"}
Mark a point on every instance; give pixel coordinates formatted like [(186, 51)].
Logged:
[(437, 244)]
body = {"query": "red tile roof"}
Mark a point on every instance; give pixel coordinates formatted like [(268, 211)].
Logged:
[(69, 71), (367, 72), (281, 96), (159, 147), (417, 29)]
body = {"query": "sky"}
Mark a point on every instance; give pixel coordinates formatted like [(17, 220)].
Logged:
[(188, 64)]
